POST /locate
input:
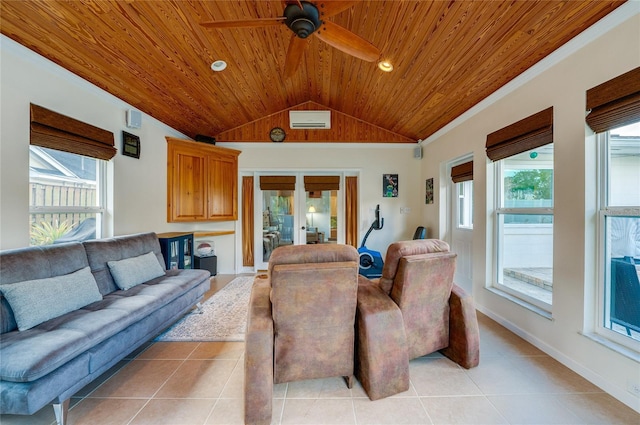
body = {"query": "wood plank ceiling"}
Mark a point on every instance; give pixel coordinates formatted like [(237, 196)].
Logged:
[(155, 55)]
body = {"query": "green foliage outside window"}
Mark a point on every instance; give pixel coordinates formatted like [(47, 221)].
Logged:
[(45, 233), (530, 185)]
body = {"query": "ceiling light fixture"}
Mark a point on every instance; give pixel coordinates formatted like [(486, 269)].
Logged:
[(385, 66), (218, 65)]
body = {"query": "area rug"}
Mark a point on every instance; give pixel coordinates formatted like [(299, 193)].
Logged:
[(223, 318)]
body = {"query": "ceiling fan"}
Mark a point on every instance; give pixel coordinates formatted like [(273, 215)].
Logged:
[(305, 18)]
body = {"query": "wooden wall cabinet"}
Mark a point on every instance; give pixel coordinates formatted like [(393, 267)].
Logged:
[(202, 182)]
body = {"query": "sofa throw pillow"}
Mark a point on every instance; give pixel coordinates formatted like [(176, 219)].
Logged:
[(36, 301), (133, 271)]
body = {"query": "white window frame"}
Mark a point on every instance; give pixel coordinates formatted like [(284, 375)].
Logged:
[(603, 282), (499, 213), (101, 199)]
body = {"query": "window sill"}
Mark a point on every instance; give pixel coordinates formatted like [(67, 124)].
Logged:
[(521, 303), (620, 349)]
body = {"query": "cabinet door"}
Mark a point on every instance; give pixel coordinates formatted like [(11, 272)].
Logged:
[(223, 188), (202, 182), (188, 201)]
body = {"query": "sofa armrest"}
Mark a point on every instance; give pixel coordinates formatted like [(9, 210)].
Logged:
[(258, 357), (464, 336), (382, 358)]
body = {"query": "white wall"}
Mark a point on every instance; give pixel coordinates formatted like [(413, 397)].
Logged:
[(559, 81)]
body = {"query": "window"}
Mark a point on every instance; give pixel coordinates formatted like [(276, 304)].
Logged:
[(67, 165), (65, 196), (619, 231), (462, 177), (614, 114), (464, 191), (523, 244), (524, 217)]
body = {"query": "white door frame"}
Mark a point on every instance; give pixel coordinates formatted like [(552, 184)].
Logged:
[(461, 239), (299, 216)]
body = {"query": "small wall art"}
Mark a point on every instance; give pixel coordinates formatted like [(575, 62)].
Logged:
[(428, 197), (390, 185)]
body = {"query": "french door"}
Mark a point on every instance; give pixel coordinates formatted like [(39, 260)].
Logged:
[(296, 209)]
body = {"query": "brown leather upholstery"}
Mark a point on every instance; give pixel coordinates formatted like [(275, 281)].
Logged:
[(435, 315), (301, 322)]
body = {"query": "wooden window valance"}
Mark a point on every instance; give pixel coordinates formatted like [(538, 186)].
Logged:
[(56, 131), (277, 182), (614, 103), (462, 172), (320, 183), (526, 134)]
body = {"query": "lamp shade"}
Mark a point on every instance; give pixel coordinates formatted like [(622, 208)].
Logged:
[(312, 209)]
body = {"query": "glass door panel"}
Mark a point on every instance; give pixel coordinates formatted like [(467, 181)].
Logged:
[(277, 220), (321, 209)]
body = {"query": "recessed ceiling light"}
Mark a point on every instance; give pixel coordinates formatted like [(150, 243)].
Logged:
[(385, 66), (218, 65)]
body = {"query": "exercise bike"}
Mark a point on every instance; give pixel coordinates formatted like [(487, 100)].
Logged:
[(371, 262)]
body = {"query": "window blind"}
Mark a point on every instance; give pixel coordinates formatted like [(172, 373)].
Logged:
[(277, 182), (52, 130), (320, 183), (614, 103), (462, 172), (526, 134)]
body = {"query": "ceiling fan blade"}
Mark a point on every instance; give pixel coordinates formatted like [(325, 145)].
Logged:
[(294, 55), (244, 23), (330, 8), (343, 39)]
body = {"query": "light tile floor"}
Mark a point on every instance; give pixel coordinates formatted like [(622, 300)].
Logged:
[(186, 383)]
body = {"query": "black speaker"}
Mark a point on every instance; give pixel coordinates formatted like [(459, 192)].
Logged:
[(205, 139)]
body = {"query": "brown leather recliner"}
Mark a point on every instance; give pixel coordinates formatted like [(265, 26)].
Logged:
[(301, 322), (412, 310)]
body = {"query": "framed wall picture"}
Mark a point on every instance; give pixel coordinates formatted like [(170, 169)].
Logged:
[(428, 197), (130, 145), (390, 185)]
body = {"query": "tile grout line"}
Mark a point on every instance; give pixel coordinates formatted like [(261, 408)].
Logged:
[(235, 367), (160, 387)]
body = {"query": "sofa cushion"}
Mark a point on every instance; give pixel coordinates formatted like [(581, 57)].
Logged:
[(133, 271), (36, 301), (36, 262), (101, 251)]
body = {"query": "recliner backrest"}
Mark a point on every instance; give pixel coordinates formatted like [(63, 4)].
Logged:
[(421, 289), (397, 250), (313, 296)]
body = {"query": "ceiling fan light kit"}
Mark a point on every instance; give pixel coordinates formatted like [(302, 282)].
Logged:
[(303, 22)]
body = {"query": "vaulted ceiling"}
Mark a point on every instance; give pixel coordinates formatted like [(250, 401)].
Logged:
[(156, 56)]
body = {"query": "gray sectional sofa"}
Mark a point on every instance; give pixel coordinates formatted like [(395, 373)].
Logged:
[(65, 319)]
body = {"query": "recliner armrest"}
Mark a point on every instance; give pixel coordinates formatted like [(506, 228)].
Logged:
[(382, 358), (464, 335), (258, 356)]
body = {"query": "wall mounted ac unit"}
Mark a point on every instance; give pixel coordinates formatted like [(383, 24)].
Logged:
[(310, 120)]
